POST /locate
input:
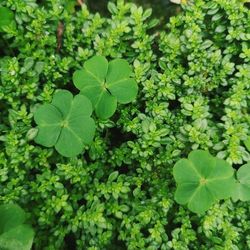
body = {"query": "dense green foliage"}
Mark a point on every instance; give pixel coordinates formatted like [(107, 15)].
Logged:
[(193, 79)]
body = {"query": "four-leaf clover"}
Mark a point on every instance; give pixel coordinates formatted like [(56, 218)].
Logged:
[(65, 123), (201, 180), (106, 83)]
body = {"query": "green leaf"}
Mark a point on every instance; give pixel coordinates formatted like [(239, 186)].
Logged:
[(14, 234), (65, 123), (10, 216), (221, 181), (105, 84), (247, 143), (242, 190), (49, 119), (28, 64), (112, 8), (106, 105), (97, 66), (6, 17), (113, 176), (201, 180), (118, 82), (18, 238)]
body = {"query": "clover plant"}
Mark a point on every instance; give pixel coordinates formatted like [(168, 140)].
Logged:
[(242, 190), (6, 17), (65, 123), (106, 83), (194, 93), (202, 180), (14, 233)]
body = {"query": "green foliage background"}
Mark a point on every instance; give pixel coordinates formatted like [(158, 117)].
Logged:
[(194, 90)]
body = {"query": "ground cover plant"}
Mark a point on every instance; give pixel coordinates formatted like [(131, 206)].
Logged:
[(116, 181)]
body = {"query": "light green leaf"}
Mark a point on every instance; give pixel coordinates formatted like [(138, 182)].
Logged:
[(201, 180), (66, 123), (106, 83), (242, 190)]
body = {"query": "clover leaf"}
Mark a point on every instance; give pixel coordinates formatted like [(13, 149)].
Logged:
[(201, 180), (14, 234), (247, 143), (6, 17), (242, 190), (106, 83), (65, 123)]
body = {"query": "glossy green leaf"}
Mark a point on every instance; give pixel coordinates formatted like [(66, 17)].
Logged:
[(65, 123), (6, 17), (14, 234), (105, 84), (201, 180), (242, 191)]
